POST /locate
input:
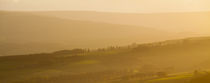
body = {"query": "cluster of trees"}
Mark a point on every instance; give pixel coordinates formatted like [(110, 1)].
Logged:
[(73, 51), (201, 77)]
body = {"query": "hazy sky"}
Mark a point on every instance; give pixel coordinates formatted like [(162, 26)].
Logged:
[(108, 5)]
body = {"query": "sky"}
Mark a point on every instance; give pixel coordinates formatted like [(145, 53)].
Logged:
[(107, 5)]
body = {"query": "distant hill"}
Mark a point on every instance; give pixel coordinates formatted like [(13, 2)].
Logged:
[(25, 27), (186, 23), (8, 49), (82, 65)]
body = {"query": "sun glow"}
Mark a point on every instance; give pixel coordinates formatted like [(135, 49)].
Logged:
[(140, 6), (16, 1)]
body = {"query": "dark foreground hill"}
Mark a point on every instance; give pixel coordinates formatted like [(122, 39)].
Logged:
[(108, 65)]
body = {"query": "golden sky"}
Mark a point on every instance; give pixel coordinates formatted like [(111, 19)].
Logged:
[(108, 5)]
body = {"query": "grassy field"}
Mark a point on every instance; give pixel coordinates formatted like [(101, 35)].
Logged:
[(129, 64)]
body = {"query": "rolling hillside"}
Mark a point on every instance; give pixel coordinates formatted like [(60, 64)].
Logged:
[(137, 63), (185, 23), (25, 28)]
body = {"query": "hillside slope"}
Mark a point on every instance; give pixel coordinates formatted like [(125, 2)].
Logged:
[(108, 64), (23, 27), (187, 23)]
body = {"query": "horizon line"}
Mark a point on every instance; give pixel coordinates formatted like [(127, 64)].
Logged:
[(104, 11)]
